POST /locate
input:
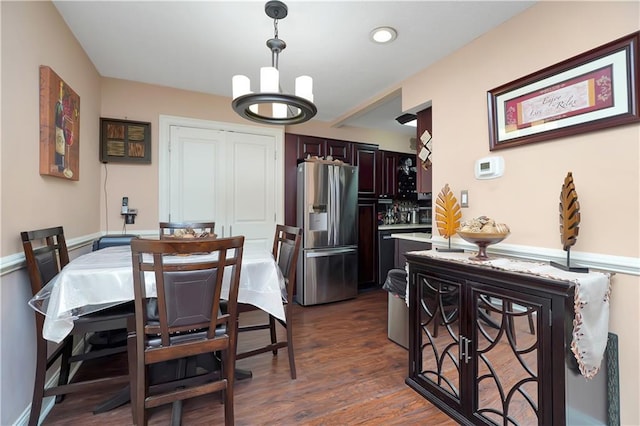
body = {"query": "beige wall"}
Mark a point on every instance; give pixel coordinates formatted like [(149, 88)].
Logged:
[(605, 164), (29, 200)]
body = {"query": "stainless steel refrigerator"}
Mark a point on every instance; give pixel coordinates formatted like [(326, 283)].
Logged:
[(327, 212)]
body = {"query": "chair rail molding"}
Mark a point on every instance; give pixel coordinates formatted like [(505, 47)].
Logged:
[(603, 262), (16, 261)]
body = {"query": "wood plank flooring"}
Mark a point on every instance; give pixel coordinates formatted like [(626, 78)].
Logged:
[(349, 373)]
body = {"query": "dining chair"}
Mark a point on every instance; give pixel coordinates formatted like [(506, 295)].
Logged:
[(111, 337), (286, 246), (187, 230), (188, 321), (46, 254)]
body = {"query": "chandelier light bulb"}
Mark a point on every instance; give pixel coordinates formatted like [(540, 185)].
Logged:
[(269, 80), (279, 110), (240, 85), (304, 87)]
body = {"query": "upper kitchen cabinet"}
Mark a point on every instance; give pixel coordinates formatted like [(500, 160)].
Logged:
[(312, 146), (397, 175), (424, 177), (339, 150), (389, 162), (365, 157), (309, 146)]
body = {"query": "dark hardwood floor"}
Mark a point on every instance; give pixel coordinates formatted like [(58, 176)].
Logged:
[(349, 373)]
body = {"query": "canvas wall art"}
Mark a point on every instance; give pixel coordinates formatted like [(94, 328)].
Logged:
[(59, 127)]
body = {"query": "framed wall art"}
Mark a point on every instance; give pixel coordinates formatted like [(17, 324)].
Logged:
[(591, 91), (59, 127), (125, 141)]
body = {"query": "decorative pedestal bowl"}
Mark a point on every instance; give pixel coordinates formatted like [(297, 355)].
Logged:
[(482, 240)]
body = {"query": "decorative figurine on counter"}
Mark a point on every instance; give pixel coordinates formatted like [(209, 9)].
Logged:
[(448, 216), (569, 223)]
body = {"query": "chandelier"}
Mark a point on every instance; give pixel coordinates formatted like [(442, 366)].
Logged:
[(285, 108)]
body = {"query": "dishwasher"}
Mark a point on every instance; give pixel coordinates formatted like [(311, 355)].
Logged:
[(387, 251)]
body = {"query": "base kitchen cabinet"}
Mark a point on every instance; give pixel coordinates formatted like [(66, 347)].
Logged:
[(489, 346)]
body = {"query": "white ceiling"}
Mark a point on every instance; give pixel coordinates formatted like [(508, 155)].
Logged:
[(200, 45)]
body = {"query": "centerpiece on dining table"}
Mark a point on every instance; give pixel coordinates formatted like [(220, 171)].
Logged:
[(483, 232), (190, 233)]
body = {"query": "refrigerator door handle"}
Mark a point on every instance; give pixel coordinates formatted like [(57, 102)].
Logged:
[(329, 253), (338, 206), (332, 205)]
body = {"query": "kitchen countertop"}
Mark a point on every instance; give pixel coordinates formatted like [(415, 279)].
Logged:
[(404, 226), (423, 237)]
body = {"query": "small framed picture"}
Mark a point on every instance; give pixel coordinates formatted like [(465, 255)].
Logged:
[(125, 141)]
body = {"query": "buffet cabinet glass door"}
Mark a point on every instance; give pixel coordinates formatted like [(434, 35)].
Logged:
[(478, 351)]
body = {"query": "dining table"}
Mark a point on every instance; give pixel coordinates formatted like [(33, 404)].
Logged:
[(104, 278)]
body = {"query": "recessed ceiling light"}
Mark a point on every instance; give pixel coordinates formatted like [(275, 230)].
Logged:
[(383, 35)]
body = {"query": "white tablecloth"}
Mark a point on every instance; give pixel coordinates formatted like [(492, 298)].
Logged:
[(104, 278), (591, 303)]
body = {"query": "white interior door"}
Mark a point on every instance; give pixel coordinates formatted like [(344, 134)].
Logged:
[(197, 175), (228, 177), (250, 185)]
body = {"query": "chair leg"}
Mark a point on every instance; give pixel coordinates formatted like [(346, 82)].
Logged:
[(292, 362), (436, 320), (38, 385), (133, 381), (272, 330), (228, 367), (65, 365), (532, 329)]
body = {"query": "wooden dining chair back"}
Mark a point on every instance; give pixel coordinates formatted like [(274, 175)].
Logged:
[(46, 254), (187, 278), (173, 230), (286, 247)]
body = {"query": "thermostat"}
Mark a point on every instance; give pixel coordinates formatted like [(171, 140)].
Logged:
[(489, 167)]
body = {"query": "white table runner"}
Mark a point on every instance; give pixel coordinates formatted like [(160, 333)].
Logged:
[(591, 303)]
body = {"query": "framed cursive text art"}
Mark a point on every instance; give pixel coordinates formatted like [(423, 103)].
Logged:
[(591, 91)]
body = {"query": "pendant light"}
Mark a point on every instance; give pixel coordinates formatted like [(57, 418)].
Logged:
[(285, 108)]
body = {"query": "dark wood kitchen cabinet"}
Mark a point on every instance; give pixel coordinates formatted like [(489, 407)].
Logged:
[(367, 229), (488, 346), (424, 178), (389, 162), (312, 146), (339, 150), (309, 146), (365, 157)]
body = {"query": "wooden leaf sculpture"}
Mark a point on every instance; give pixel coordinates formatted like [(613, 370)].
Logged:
[(447, 213), (569, 213)]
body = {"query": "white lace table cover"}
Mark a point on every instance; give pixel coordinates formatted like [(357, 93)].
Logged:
[(591, 303), (104, 278)]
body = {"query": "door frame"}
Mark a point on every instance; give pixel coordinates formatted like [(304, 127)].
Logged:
[(164, 137)]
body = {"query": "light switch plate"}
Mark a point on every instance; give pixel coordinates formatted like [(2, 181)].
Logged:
[(464, 198)]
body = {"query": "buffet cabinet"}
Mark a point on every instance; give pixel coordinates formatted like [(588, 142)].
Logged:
[(491, 347)]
